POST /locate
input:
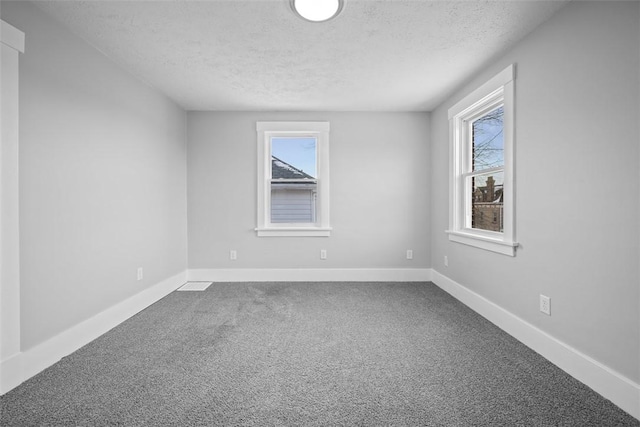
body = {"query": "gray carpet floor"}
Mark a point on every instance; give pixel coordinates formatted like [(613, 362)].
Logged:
[(307, 354)]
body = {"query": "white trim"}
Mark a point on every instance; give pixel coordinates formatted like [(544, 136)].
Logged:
[(501, 79), (295, 127), (620, 390), (294, 232), (11, 36), (498, 90), (12, 45), (612, 385), (483, 242), (311, 275), (29, 363)]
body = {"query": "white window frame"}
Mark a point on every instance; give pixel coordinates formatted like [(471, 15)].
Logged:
[(497, 91), (267, 130)]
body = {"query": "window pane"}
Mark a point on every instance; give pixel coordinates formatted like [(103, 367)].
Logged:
[(293, 158), (293, 202), (488, 140), (293, 180), (487, 201)]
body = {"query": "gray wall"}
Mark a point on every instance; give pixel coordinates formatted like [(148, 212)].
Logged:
[(102, 180), (379, 193), (577, 184)]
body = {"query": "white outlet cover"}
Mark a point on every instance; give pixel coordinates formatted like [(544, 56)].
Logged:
[(545, 304)]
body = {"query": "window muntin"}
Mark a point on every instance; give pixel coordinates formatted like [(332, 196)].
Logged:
[(481, 183), (293, 179)]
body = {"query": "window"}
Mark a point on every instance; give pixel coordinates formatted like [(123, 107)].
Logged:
[(481, 181), (293, 179)]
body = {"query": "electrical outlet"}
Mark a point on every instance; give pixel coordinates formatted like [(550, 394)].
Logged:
[(323, 254), (409, 254), (140, 273), (233, 254), (545, 304), (446, 261)]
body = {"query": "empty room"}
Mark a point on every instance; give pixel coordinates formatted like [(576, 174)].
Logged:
[(320, 212)]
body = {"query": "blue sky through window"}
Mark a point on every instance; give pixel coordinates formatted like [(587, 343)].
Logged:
[(299, 152), (488, 140)]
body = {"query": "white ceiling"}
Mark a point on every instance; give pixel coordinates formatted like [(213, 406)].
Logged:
[(378, 55)]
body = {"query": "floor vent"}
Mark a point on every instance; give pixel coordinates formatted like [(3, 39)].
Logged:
[(194, 286)]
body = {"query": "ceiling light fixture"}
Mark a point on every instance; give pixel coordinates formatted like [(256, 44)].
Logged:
[(317, 10)]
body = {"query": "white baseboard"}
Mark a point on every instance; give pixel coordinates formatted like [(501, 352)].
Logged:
[(620, 390), (311, 275), (610, 384), (25, 365)]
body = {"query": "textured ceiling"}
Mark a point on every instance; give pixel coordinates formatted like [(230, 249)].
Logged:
[(378, 55)]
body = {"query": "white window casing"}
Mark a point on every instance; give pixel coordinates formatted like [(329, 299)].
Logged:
[(498, 91), (318, 225)]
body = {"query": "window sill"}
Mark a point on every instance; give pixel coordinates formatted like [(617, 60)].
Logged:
[(293, 232), (483, 242)]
